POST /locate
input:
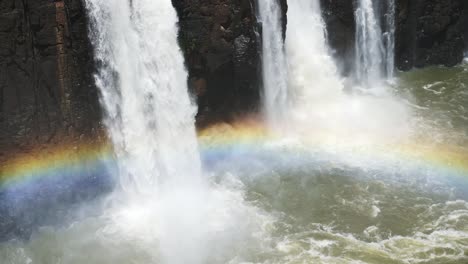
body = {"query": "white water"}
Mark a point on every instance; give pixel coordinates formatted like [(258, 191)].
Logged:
[(320, 103), (165, 209), (150, 119), (313, 74), (369, 46), (275, 99), (142, 80), (374, 46), (303, 89)]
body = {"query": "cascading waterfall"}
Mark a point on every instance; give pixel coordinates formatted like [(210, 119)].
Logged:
[(316, 101), (313, 73), (369, 45), (165, 204), (374, 46), (142, 80), (150, 119), (320, 103), (305, 88), (275, 99)]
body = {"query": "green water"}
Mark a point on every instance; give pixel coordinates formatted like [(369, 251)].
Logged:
[(313, 208), (441, 97), (349, 215), (340, 218), (333, 213)]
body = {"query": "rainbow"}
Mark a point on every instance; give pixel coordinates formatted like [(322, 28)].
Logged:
[(221, 141), (62, 163), (247, 139)]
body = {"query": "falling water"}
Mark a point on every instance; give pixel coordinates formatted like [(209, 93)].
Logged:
[(370, 50), (304, 84), (374, 44), (142, 80), (274, 62), (313, 72), (389, 35), (313, 75), (150, 119), (320, 102), (316, 100)]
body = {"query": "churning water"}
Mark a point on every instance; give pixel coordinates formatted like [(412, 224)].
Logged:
[(353, 177)]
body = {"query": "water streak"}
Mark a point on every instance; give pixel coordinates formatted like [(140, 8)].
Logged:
[(369, 46), (389, 34), (375, 42), (274, 62)]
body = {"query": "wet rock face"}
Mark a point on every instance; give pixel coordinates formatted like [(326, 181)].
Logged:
[(221, 44), (430, 32), (46, 86)]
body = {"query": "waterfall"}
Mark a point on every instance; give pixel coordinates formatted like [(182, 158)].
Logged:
[(275, 98), (389, 34), (142, 80), (320, 106), (314, 77), (374, 45), (150, 120), (302, 74), (369, 44)]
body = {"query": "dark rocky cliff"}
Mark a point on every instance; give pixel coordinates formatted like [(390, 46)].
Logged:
[(339, 19), (46, 88), (429, 32), (221, 43)]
